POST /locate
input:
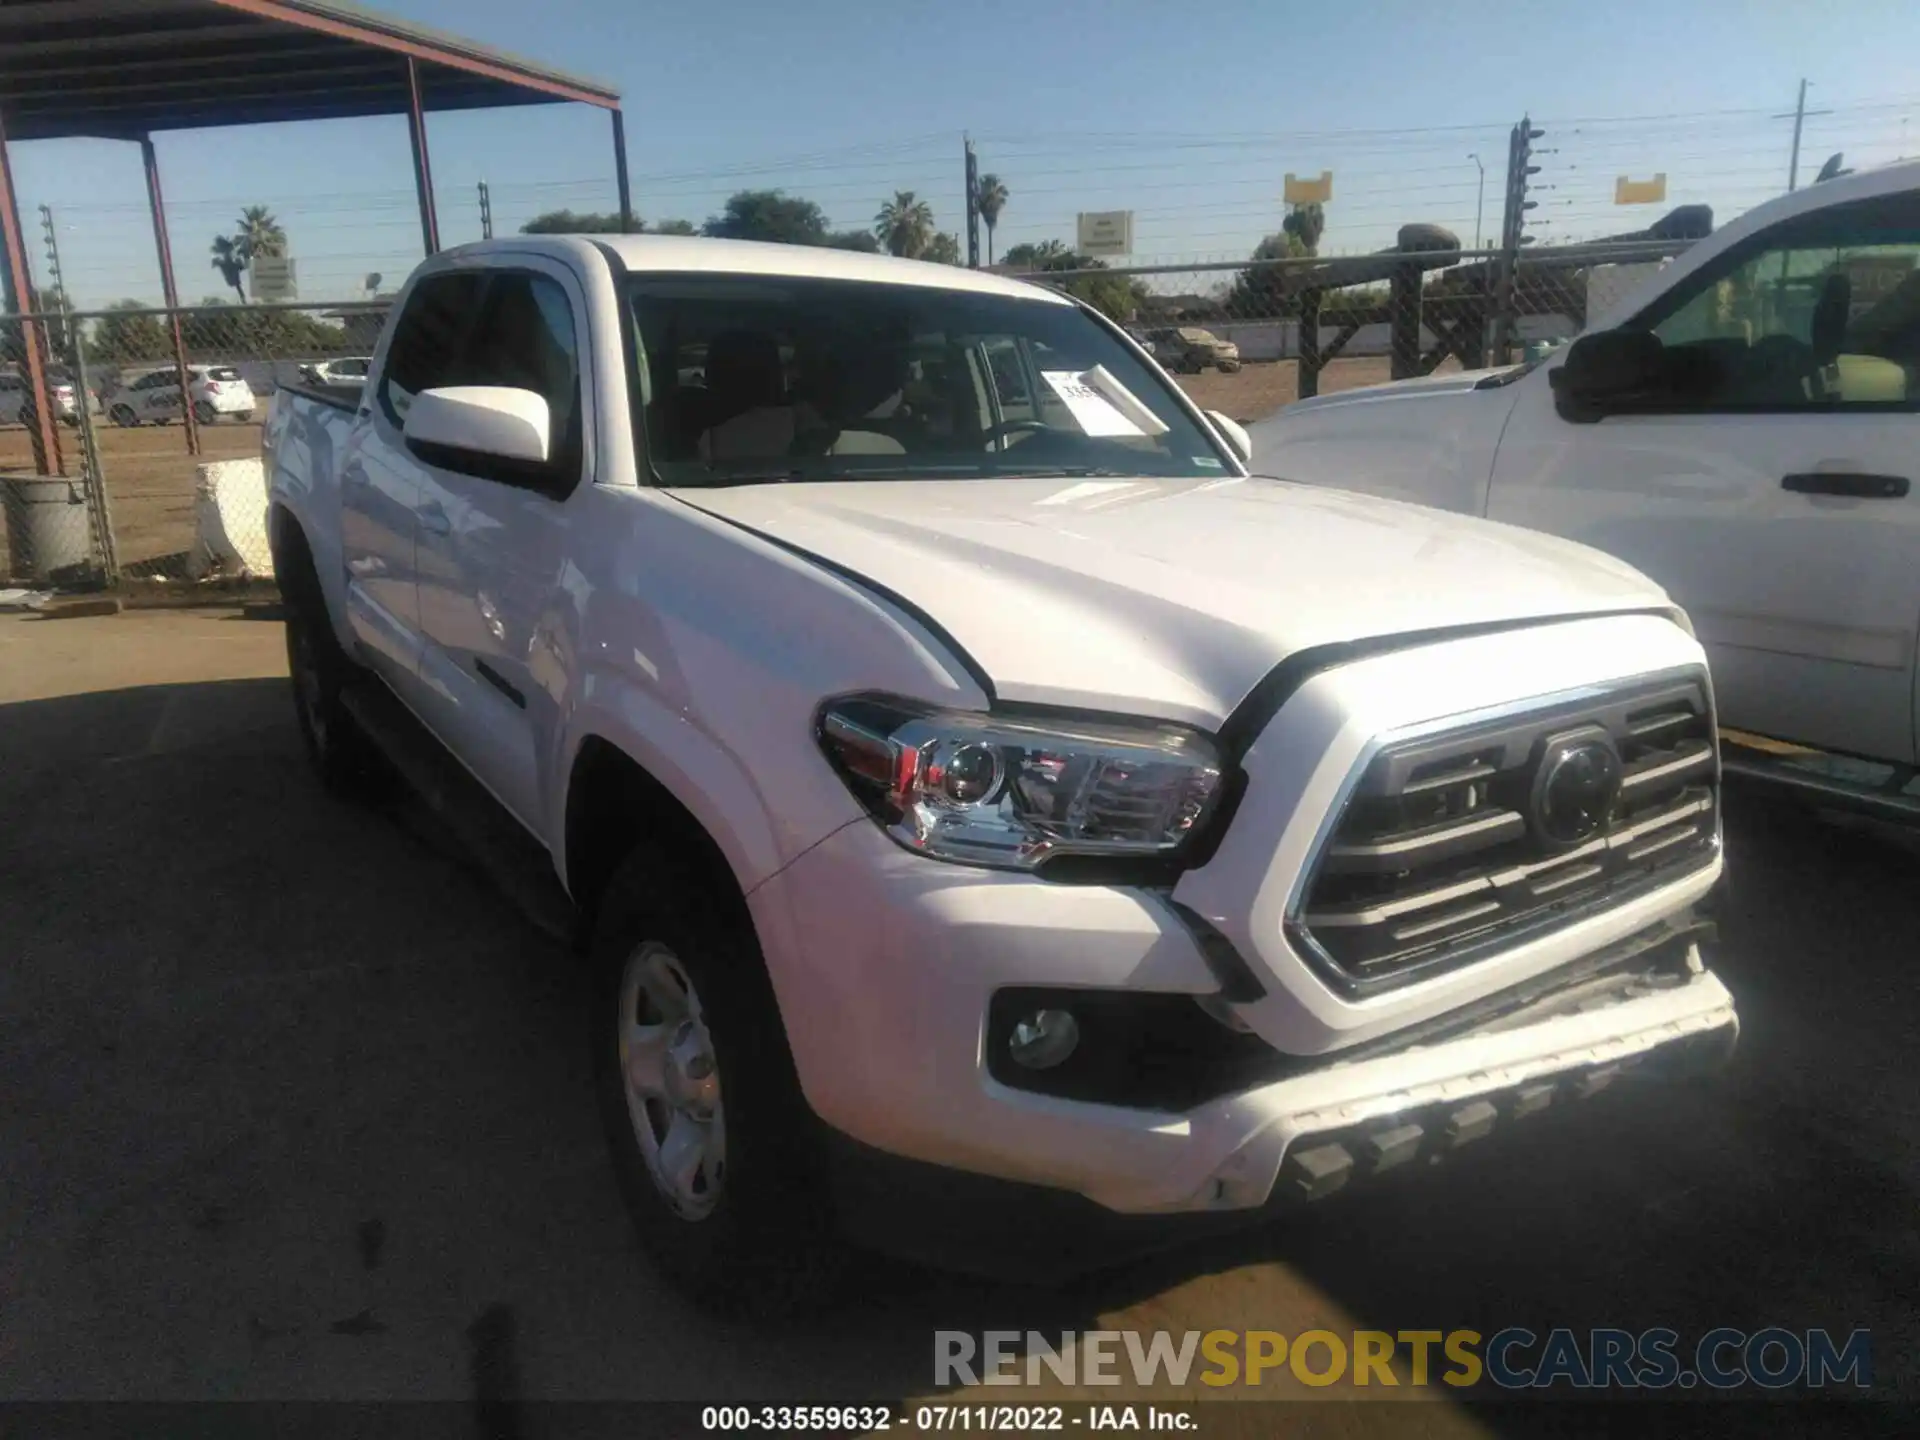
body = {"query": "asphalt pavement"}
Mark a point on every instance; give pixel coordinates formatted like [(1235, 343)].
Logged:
[(295, 1106)]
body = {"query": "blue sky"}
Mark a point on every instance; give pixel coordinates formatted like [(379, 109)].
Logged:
[(1190, 114)]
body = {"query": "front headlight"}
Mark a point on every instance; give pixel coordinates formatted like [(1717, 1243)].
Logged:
[(1011, 793)]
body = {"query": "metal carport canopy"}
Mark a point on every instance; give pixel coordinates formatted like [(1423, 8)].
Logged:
[(120, 69), (125, 69)]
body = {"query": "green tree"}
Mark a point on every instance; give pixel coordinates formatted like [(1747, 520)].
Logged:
[(1306, 223), (990, 198), (676, 227), (943, 249), (1118, 297), (258, 233), (769, 215), (231, 263), (1035, 255), (904, 225), (861, 240), (566, 222), (128, 335), (1260, 292)]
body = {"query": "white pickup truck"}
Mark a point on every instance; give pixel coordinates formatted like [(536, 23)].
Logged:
[(1745, 429), (970, 784)]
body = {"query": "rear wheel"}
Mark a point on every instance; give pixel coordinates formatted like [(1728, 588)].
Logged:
[(710, 1139), (204, 412), (345, 760)]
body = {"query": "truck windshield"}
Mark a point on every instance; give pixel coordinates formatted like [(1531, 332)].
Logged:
[(750, 378)]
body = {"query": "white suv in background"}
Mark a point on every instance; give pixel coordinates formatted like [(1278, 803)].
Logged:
[(154, 398)]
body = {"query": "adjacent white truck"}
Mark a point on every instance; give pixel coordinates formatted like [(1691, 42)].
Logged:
[(971, 785), (1745, 429)]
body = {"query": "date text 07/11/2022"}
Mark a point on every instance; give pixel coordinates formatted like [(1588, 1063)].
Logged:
[(939, 1418)]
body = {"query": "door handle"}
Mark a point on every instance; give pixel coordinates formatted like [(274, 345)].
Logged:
[(434, 520), (1850, 483)]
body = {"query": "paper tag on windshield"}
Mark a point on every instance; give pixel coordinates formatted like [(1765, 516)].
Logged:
[(1094, 411)]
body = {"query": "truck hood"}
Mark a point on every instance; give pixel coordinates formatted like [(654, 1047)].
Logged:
[(1427, 385), (1169, 598)]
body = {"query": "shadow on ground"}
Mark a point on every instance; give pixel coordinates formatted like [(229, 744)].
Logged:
[(297, 1107)]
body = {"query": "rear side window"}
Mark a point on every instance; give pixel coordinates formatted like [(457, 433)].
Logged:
[(427, 339)]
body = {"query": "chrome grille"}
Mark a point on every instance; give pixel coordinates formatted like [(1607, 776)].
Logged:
[(1441, 854)]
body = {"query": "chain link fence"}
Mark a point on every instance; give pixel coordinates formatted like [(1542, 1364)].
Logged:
[(148, 466), (143, 470), (1248, 338)]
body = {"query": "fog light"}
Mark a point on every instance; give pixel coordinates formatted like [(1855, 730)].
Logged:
[(1043, 1039)]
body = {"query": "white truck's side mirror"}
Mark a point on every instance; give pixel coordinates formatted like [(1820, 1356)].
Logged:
[(1235, 435), (494, 421)]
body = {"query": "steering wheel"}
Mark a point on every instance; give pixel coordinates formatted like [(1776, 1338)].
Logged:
[(1014, 427)]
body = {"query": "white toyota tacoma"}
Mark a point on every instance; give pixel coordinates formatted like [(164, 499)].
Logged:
[(972, 786)]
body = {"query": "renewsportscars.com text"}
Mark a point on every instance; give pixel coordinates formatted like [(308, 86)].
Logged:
[(1511, 1359)]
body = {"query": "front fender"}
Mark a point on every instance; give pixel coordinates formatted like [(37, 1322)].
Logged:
[(301, 447)]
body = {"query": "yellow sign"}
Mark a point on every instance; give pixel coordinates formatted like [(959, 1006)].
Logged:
[(1640, 192), (1310, 191)]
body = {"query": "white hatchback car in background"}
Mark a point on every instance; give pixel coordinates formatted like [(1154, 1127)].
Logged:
[(154, 398), (16, 399)]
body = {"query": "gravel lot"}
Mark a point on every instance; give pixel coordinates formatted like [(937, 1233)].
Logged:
[(295, 1106)]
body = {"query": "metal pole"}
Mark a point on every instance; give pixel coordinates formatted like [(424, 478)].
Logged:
[(94, 478), (157, 202), (620, 173), (19, 286), (972, 172), (486, 213), (1480, 200), (422, 166), (1799, 123)]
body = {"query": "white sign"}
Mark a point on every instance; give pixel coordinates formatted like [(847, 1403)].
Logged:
[(1105, 232), (271, 277), (1101, 405)]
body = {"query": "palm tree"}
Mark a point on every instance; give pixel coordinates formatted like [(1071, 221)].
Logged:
[(904, 224), (231, 262), (258, 233), (990, 198)]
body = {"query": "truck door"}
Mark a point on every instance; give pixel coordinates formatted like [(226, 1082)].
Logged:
[(491, 544), (380, 479), (1775, 491)]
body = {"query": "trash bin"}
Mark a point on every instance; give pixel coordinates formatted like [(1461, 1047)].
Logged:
[(49, 537)]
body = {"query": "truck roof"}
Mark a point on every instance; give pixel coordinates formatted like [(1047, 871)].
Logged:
[(682, 253)]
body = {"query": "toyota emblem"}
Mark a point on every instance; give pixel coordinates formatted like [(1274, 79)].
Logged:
[(1574, 789)]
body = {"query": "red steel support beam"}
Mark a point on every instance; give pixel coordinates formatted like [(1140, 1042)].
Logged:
[(420, 50), (157, 202), (620, 173), (45, 440), (422, 166)]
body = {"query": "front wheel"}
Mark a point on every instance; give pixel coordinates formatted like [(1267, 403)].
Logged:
[(123, 416), (204, 412), (709, 1136)]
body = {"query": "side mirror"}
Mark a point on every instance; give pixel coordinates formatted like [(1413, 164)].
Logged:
[(1235, 434), (1608, 371), (459, 424)]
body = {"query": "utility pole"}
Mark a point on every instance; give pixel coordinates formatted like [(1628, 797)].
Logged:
[(1798, 115), (1513, 235), (973, 206), (53, 255), (486, 213), (1480, 200)]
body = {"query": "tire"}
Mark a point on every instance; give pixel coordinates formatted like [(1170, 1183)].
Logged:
[(348, 764), (748, 1229), (204, 412), (124, 416)]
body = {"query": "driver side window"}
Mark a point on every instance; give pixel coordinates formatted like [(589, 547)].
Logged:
[(1823, 313)]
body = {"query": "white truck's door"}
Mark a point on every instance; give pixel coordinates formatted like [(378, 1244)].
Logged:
[(492, 541), (1776, 492), (380, 479)]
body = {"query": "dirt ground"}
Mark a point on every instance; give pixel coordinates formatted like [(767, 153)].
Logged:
[(151, 478), (297, 1107)]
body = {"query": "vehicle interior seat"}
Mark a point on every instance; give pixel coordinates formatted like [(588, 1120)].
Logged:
[(749, 415)]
